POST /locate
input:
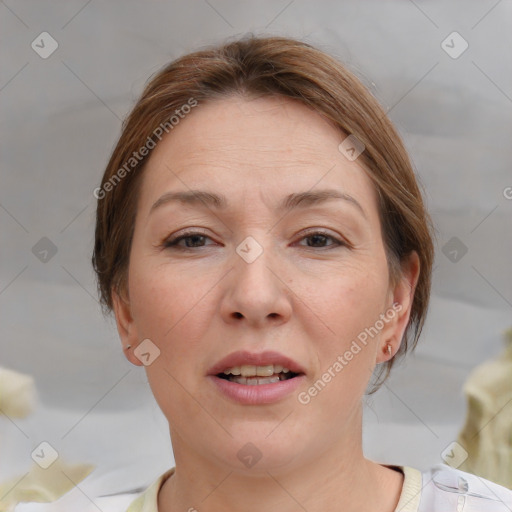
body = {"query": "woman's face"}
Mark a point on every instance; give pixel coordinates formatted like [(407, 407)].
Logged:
[(304, 278)]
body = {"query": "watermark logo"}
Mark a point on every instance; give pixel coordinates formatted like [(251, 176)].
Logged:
[(454, 45), (454, 454), (249, 455), (146, 352), (351, 147), (305, 397), (249, 249), (454, 249), (138, 156), (44, 45), (44, 250), (44, 455)]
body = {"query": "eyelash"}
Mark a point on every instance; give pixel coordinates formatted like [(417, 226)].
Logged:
[(172, 243)]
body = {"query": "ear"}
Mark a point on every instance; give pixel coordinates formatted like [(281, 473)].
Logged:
[(400, 302), (126, 327)]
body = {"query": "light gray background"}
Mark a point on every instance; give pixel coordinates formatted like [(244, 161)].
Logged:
[(61, 117)]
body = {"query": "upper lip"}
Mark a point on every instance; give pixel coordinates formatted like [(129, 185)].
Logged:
[(243, 357)]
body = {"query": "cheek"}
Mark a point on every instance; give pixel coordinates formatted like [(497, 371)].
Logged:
[(170, 312), (164, 301), (174, 310), (356, 300)]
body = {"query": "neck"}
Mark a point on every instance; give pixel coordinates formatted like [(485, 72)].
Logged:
[(338, 479)]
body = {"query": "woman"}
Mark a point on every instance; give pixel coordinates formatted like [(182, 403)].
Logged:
[(264, 246)]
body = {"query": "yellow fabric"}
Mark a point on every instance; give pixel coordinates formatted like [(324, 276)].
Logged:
[(409, 498), (17, 393), (42, 485), (148, 500), (487, 433), (411, 491), (17, 398)]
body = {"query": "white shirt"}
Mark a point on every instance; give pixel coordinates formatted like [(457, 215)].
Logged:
[(438, 489)]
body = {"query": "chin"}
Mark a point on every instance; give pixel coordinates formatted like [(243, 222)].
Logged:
[(258, 452)]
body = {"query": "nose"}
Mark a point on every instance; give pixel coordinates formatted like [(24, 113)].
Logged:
[(257, 292)]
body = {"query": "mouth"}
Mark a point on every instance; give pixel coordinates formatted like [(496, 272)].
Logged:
[(256, 378), (252, 375)]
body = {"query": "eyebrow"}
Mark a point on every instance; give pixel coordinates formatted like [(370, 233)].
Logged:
[(290, 202)]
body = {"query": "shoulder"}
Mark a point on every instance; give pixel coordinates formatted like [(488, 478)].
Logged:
[(447, 489)]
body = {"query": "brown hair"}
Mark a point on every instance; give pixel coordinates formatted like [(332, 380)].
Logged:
[(266, 66)]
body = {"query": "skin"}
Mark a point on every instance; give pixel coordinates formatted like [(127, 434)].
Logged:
[(307, 298)]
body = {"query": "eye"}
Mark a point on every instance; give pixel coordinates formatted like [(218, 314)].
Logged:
[(194, 239), (193, 236), (319, 237)]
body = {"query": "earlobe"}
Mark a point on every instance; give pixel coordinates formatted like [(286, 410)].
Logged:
[(126, 327)]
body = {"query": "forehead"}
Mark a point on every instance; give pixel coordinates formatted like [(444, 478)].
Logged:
[(269, 147)]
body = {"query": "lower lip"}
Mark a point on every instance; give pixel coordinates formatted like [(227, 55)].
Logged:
[(257, 394)]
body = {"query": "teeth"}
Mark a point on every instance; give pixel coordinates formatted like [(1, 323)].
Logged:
[(234, 371), (248, 370), (265, 371), (255, 382)]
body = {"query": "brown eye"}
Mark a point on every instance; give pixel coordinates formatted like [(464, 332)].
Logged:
[(195, 239), (319, 237)]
